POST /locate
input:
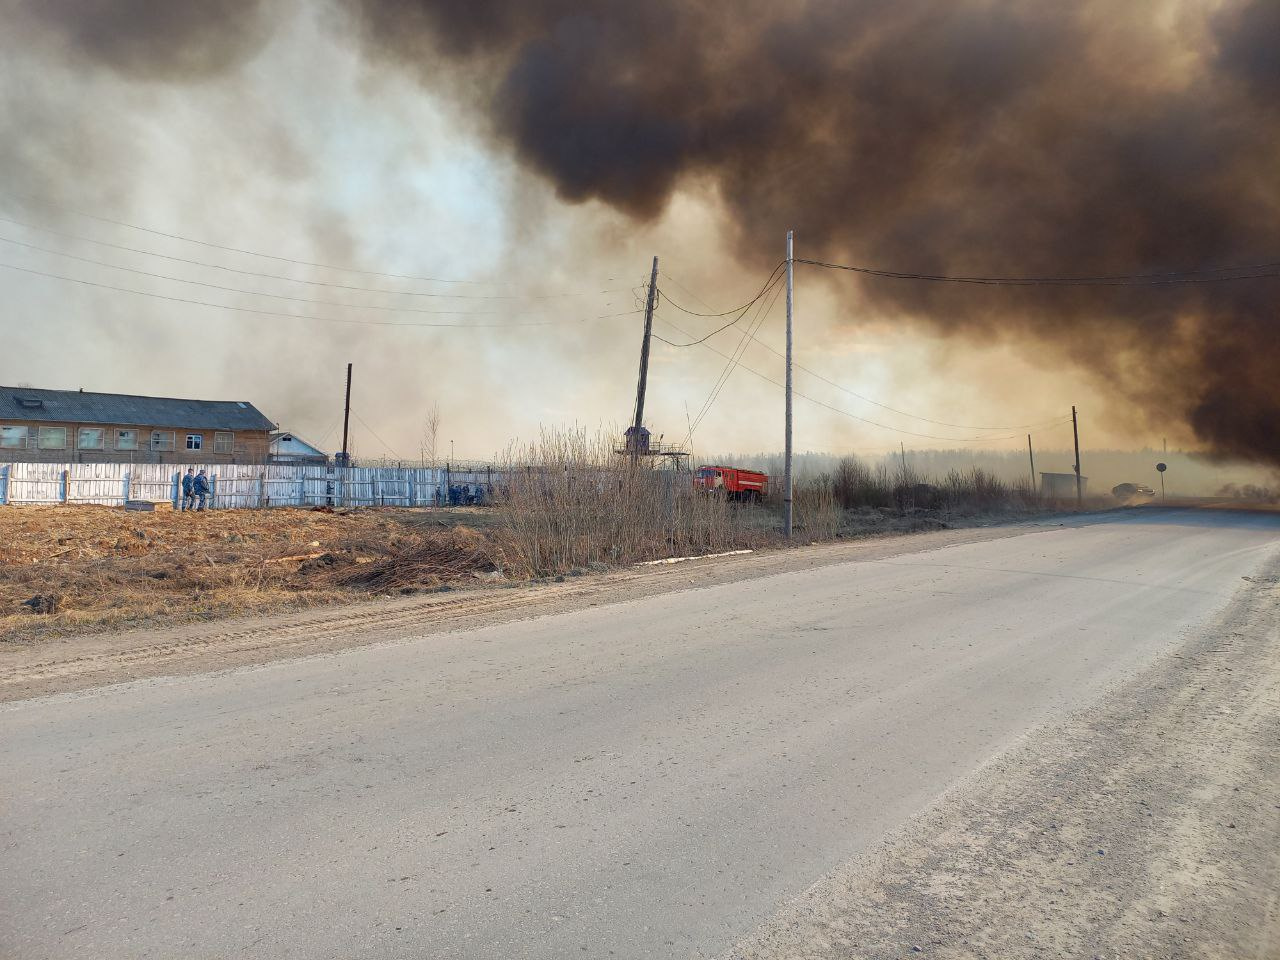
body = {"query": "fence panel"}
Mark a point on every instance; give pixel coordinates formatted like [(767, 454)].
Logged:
[(36, 482), (104, 483), (241, 486)]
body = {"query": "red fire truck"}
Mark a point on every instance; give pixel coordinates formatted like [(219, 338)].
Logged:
[(733, 482)]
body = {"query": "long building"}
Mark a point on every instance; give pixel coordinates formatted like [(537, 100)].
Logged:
[(72, 426)]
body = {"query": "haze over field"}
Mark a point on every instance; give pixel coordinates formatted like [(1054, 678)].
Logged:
[(553, 146)]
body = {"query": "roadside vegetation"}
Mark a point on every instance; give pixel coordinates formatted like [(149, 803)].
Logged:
[(567, 504)]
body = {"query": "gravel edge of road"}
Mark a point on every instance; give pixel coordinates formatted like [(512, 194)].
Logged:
[(1147, 826)]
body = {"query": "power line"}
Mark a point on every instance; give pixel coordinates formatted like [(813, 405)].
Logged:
[(386, 446), (1135, 279), (718, 329), (252, 253), (742, 309), (239, 290), (302, 316), (854, 416), (761, 312), (276, 276), (838, 386)]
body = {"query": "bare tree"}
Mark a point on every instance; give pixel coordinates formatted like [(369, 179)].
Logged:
[(430, 434)]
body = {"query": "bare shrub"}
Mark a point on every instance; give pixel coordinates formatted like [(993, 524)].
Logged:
[(855, 484), (817, 511), (570, 501)]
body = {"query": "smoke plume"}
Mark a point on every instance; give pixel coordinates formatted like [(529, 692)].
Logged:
[(988, 137), (978, 137)]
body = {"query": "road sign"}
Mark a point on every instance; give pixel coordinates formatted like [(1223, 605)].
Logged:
[(1162, 467)]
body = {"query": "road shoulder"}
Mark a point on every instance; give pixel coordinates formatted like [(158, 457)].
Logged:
[(1148, 827), (92, 660)]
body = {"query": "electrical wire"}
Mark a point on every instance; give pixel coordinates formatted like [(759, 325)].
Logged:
[(276, 276), (303, 316), (854, 416), (718, 329), (838, 386), (239, 290), (773, 276), (386, 446), (252, 253), (761, 312), (1137, 279)]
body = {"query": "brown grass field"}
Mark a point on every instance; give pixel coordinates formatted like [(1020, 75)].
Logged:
[(103, 567)]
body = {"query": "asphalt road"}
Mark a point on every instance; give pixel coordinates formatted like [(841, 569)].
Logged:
[(642, 779)]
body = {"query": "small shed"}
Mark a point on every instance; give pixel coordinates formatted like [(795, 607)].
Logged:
[(1061, 486), (291, 448)]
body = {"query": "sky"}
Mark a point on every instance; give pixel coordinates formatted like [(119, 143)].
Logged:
[(304, 148)]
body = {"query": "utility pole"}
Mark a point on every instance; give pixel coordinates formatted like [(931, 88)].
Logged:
[(1032, 455), (787, 486), (902, 449), (346, 421), (650, 302), (1075, 433)]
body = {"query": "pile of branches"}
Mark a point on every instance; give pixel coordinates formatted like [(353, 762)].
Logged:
[(422, 562)]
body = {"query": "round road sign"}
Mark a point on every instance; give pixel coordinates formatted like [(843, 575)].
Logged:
[(1162, 467)]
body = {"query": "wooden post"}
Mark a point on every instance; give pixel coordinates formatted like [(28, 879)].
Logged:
[(66, 485), (788, 486), (262, 490), (1075, 433)]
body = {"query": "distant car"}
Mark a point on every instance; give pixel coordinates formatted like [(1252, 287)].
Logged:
[(1131, 491)]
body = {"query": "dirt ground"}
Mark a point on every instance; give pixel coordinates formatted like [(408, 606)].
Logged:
[(77, 660), (69, 570)]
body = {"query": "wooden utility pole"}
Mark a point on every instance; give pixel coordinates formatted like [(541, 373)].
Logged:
[(1075, 433), (346, 421), (1032, 455), (902, 449), (644, 356), (787, 485)]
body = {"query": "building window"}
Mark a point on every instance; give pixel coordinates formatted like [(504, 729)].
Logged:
[(126, 439), (52, 438), (161, 439), (195, 441), (223, 442), (13, 438), (91, 438)]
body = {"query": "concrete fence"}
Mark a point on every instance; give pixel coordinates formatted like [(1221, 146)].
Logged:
[(241, 486)]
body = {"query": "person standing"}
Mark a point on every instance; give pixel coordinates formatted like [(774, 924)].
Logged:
[(200, 487), (188, 489)]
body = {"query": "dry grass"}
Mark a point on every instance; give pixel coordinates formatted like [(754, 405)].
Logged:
[(567, 503), (110, 568), (570, 502)]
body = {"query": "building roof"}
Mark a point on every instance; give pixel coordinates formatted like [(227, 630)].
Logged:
[(288, 436), (75, 406)]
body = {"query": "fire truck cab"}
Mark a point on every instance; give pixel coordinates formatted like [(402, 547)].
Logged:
[(732, 482)]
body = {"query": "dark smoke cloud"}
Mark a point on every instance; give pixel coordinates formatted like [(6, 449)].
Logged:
[(153, 39), (976, 136)]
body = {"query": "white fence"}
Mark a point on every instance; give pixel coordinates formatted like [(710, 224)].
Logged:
[(242, 486)]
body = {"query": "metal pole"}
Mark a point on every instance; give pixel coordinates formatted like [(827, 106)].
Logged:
[(1075, 433), (1032, 455), (649, 304), (346, 418), (787, 485)]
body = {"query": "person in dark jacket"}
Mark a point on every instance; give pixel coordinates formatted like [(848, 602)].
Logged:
[(188, 493), (200, 487)]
